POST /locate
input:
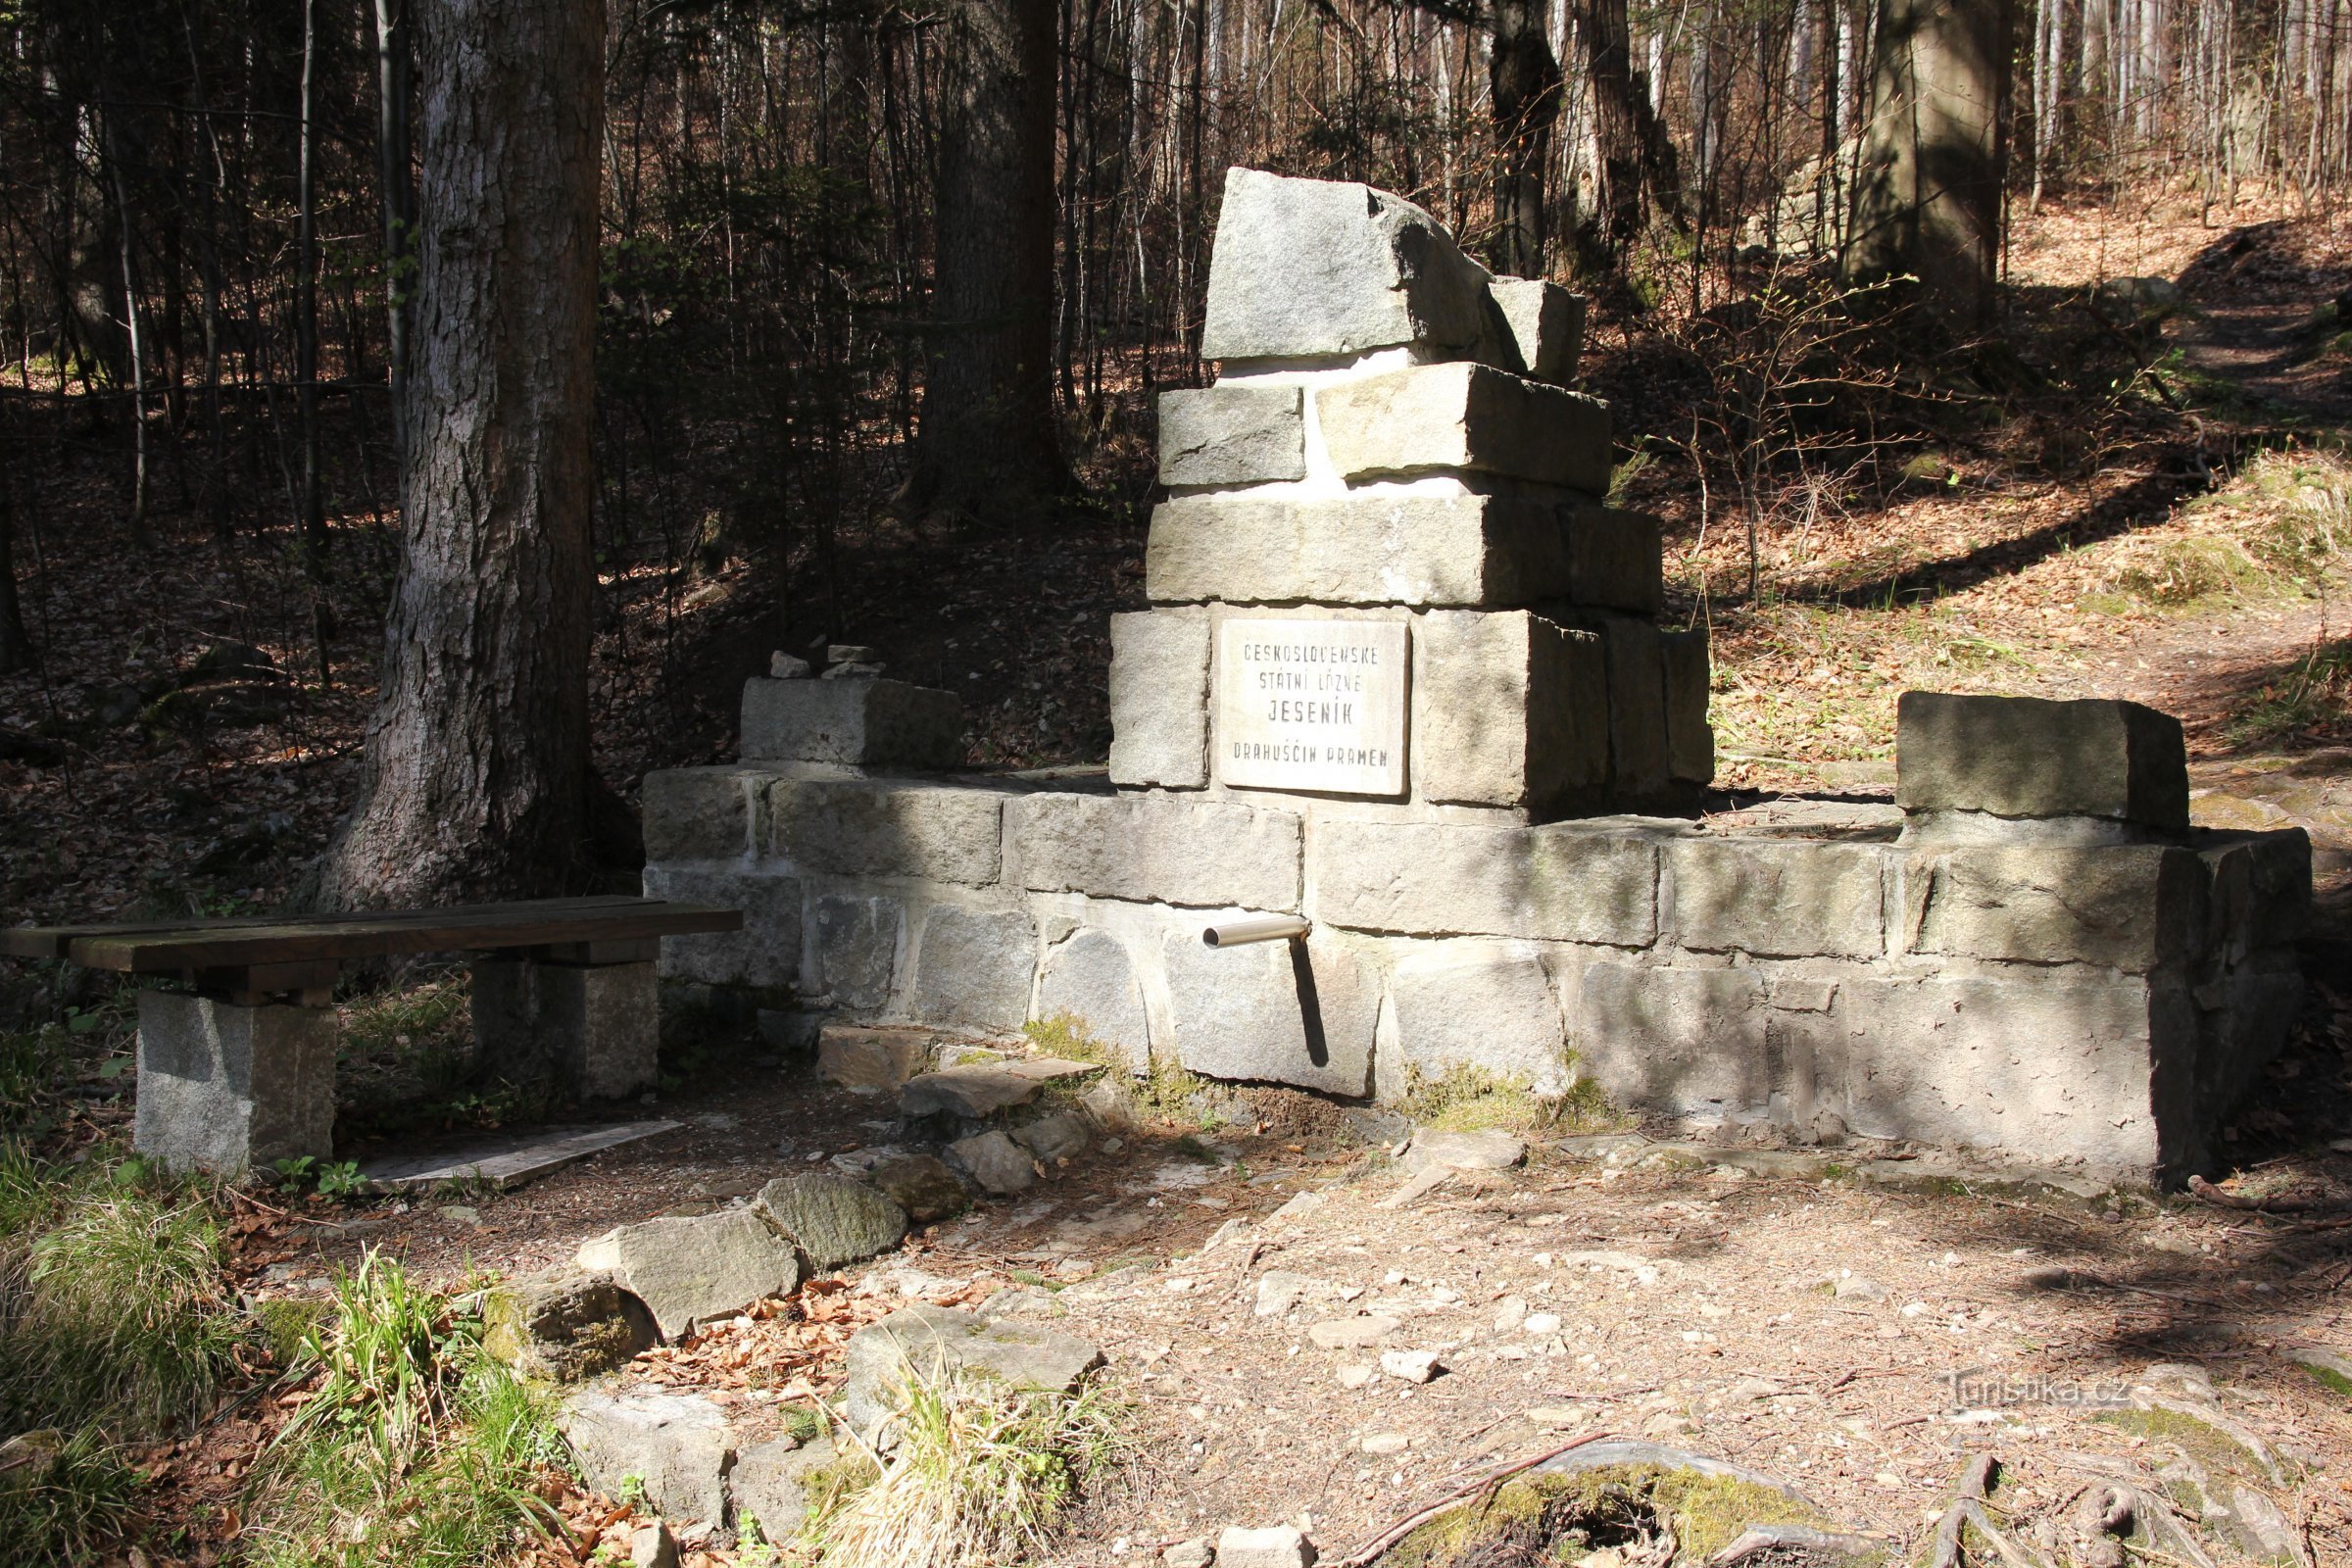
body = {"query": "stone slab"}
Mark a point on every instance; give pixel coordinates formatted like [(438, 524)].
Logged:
[(1392, 549), (1556, 883), (1543, 324), (1688, 676), (770, 1485), (225, 1088), (853, 946), (2261, 891), (973, 968), (1318, 268), (701, 814), (676, 1446), (590, 1031), (1479, 1004), (832, 1219), (1509, 709), (1287, 1013), (2133, 906), (765, 953), (883, 827), (1638, 760), (858, 723), (2028, 757), (1687, 1042), (938, 1343), (1231, 435), (1157, 849), (1159, 698), (1088, 980), (1616, 559), (1779, 899), (871, 1059), (504, 1161), (1462, 417), (996, 1164), (690, 1271), (1312, 706), (564, 1326)]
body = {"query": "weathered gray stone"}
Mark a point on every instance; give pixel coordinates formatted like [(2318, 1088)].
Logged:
[(1684, 1041), (1615, 558), (562, 1325), (1477, 1005), (592, 1031), (2072, 1072), (770, 1484), (677, 1446), (1159, 698), (2132, 907), (701, 814), (870, 1059), (1508, 709), (653, 1546), (923, 1187), (1238, 434), (971, 1092), (974, 967), (1310, 269), (1779, 899), (883, 827), (1290, 1012), (1557, 883), (936, 1343), (1088, 980), (1351, 1333), (2025, 756), (996, 1164), (859, 723), (2261, 891), (1689, 739), (1157, 849), (1638, 754), (1275, 1546), (765, 952), (856, 948), (832, 1219), (1486, 1149), (1545, 324), (1056, 1134), (223, 1088), (2249, 1016), (1362, 550), (1461, 418), (693, 1270)]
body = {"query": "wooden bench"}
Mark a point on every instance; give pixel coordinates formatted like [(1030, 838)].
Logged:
[(240, 1071)]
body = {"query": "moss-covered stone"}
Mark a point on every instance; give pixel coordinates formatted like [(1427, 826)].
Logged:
[(1567, 1514)]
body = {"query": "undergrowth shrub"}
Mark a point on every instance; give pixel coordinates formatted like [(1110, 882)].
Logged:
[(415, 1448), (2312, 697), (62, 1498), (982, 1472)]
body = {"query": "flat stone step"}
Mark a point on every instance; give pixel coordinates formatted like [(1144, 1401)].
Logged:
[(978, 1091)]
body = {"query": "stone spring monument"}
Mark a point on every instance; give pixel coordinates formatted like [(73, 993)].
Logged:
[(1402, 680)]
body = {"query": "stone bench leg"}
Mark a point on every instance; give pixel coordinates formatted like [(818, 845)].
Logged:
[(591, 1029), (225, 1086)]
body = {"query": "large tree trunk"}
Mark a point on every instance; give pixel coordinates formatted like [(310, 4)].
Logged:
[(476, 782), (1525, 87), (988, 440), (1935, 153), (1639, 168)]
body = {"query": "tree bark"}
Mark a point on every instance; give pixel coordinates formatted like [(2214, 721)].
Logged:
[(1927, 202), (477, 778), (1526, 88), (398, 198), (1639, 168), (988, 441)]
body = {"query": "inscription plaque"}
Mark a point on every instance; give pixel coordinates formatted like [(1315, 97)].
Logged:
[(1312, 705)]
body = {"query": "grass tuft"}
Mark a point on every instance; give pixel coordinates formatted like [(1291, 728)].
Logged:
[(2312, 697), (1163, 1092), (1467, 1098), (981, 1473), (63, 1499)]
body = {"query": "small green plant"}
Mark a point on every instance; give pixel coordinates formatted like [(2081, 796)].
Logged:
[(296, 1172), (981, 1472), (340, 1179)]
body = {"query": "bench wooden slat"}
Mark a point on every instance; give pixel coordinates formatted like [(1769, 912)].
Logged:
[(55, 941), (227, 945)]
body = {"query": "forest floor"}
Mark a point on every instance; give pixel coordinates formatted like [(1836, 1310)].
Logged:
[(2182, 542)]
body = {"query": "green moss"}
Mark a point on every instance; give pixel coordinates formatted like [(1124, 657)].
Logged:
[(2330, 1377), (1571, 1515), (806, 1422), (286, 1325), (2212, 1449), (1471, 1099)]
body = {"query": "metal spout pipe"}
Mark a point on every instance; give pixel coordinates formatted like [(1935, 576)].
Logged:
[(1262, 928)]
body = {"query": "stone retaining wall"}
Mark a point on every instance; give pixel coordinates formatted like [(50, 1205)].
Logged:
[(2089, 1003)]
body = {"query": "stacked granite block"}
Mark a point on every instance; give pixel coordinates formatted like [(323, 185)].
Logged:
[(1390, 443)]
